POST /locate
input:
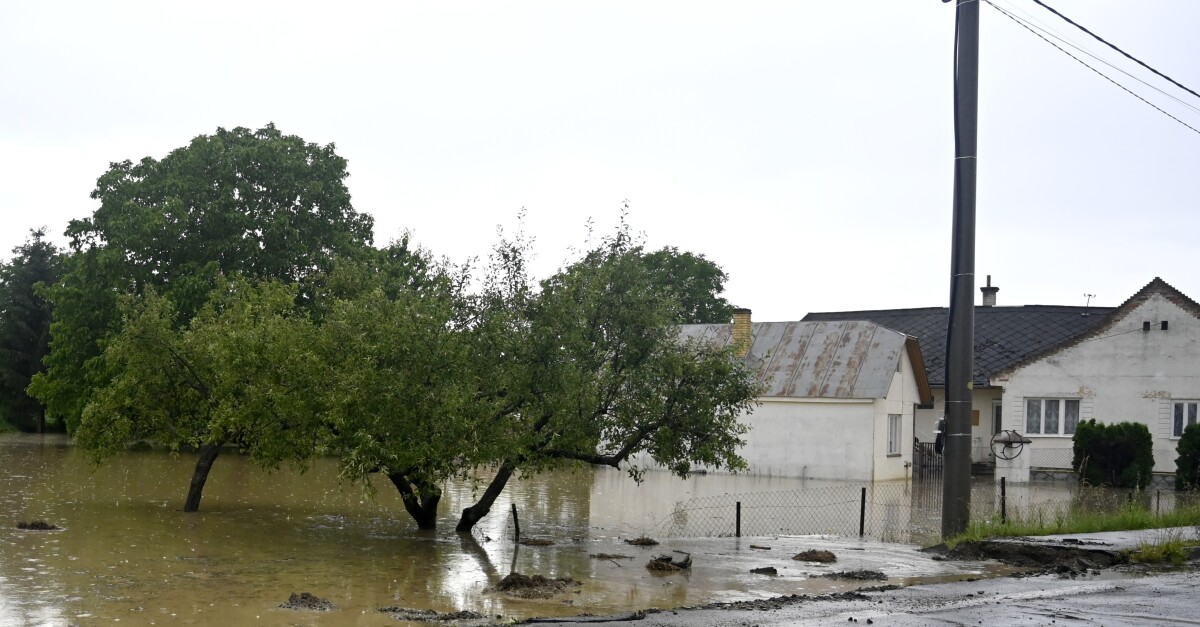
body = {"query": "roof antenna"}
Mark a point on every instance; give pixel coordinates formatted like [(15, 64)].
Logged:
[(1089, 298)]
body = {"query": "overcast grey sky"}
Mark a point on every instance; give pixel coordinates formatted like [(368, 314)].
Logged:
[(804, 146)]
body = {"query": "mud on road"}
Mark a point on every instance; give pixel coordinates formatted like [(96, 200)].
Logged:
[(1060, 583)]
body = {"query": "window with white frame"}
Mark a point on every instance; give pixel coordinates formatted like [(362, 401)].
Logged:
[(1185, 415), (1051, 416), (893, 434)]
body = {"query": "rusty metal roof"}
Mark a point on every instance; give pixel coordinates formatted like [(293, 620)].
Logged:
[(827, 359)]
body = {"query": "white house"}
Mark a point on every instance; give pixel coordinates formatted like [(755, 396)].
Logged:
[(1140, 364), (839, 398), (1004, 337)]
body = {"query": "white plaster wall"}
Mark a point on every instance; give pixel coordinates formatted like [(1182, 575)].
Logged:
[(901, 398), (812, 438), (1124, 375)]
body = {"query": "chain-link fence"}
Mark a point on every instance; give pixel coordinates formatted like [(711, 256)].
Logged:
[(893, 512)]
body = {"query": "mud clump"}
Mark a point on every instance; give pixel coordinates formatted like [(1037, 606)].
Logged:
[(766, 570), (306, 601), (609, 556), (642, 541), (535, 586), (37, 525), (1041, 556), (429, 616), (666, 564), (536, 542), (857, 575), (823, 557)]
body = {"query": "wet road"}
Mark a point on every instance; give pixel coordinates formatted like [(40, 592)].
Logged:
[(1159, 599)]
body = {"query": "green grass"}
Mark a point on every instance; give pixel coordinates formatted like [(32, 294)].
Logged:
[(1170, 545), (1089, 511), (7, 428)]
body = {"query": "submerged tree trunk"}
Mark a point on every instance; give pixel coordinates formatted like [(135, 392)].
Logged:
[(476, 512), (421, 501), (208, 454)]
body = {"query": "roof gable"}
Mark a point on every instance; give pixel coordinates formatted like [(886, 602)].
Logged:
[(1157, 286)]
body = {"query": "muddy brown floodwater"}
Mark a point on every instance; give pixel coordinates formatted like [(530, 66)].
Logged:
[(126, 553)]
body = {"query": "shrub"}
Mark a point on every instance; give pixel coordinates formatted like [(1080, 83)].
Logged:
[(1187, 465), (1119, 455)]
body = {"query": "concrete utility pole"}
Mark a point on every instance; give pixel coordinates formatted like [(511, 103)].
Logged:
[(960, 340)]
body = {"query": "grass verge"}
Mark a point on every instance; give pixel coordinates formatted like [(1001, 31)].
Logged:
[(1085, 513)]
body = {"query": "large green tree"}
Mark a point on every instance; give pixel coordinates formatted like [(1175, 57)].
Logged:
[(596, 374), (695, 282), (25, 327), (238, 202)]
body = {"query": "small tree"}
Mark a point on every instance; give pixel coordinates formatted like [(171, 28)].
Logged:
[(1187, 465), (241, 373), (1119, 455), (596, 374)]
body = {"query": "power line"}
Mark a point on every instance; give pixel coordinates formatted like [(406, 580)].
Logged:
[(1114, 47), (1084, 64), (1028, 22)]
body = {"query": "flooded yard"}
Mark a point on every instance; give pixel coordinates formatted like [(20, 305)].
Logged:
[(126, 553)]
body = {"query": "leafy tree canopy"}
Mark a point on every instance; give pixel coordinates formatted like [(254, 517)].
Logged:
[(599, 375), (695, 282), (241, 372), (259, 204)]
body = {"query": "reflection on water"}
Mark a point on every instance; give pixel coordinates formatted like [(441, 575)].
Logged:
[(127, 553)]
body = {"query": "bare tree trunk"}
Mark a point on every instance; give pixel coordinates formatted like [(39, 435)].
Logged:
[(476, 512), (420, 501), (208, 454)]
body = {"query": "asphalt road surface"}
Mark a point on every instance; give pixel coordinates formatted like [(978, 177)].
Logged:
[(1111, 599)]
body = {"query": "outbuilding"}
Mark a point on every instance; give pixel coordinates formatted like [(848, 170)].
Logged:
[(839, 396)]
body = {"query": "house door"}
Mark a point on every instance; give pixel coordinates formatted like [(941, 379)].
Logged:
[(997, 424)]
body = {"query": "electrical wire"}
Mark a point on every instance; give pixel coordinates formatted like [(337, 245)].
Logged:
[(1028, 23), (1114, 47), (1084, 64)]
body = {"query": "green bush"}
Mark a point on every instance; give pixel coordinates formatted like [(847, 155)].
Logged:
[(1187, 465), (1119, 455)]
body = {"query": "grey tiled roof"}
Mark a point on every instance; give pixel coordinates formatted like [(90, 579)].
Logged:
[(1004, 336)]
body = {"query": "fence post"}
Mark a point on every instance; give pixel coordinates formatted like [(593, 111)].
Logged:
[(1003, 502), (738, 528), (862, 514), (1157, 502), (516, 522)]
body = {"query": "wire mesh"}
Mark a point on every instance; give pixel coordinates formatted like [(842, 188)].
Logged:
[(895, 512)]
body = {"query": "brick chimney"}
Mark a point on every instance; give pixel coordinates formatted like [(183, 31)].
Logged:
[(989, 293), (741, 331)]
